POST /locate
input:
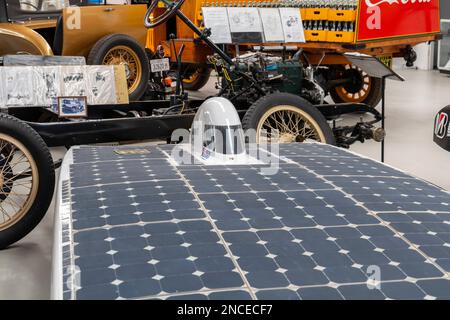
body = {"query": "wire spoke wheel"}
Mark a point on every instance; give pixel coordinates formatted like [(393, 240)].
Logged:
[(123, 55), (288, 124), (19, 181), (27, 179)]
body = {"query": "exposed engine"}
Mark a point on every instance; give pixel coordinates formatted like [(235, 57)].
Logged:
[(257, 73)]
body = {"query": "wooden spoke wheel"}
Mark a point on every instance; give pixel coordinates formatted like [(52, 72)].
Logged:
[(360, 89)]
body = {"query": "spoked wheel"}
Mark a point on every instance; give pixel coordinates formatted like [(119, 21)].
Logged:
[(287, 118), (120, 49), (27, 180), (361, 89), (126, 56)]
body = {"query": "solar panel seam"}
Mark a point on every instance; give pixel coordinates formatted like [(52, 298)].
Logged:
[(337, 285), (223, 242), (362, 176), (185, 293), (140, 224), (121, 183), (116, 161), (383, 223)]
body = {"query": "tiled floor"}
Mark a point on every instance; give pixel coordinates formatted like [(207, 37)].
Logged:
[(25, 268)]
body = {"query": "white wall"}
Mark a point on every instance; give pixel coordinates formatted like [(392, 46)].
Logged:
[(425, 58)]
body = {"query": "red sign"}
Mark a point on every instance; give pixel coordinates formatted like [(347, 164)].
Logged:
[(397, 18)]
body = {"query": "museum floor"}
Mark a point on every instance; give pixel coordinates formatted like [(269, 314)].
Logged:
[(411, 106)]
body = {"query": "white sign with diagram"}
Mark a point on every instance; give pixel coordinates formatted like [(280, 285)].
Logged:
[(17, 86), (271, 22), (244, 20), (47, 84), (216, 19), (292, 25), (101, 85), (73, 81)]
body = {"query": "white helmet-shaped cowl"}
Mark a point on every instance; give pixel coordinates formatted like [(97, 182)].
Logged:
[(218, 111), (217, 136)]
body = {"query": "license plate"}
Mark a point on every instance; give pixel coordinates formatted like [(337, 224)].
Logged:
[(386, 60), (158, 65)]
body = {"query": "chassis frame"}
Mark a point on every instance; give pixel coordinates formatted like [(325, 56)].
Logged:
[(127, 129)]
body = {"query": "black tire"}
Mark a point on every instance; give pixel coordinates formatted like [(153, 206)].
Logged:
[(372, 98), (104, 45), (20, 131), (201, 76), (256, 112)]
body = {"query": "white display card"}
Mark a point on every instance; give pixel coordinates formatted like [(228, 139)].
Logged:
[(292, 25), (216, 19), (271, 21)]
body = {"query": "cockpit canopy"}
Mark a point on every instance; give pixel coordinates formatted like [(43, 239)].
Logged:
[(217, 129)]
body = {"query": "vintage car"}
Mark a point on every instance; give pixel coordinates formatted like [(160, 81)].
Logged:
[(106, 34), (404, 25)]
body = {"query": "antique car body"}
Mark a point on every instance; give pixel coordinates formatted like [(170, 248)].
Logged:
[(33, 31)]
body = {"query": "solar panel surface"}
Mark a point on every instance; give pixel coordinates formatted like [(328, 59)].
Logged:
[(141, 227)]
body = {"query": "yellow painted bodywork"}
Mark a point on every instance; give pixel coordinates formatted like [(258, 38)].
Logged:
[(22, 38), (99, 21), (95, 23)]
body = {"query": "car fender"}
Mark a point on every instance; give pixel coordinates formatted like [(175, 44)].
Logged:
[(17, 38)]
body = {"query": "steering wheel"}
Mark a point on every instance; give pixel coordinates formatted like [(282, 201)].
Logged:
[(171, 8)]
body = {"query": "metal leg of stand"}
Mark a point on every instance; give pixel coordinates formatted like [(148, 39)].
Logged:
[(383, 105)]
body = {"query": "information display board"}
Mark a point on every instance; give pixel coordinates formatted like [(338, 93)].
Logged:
[(253, 25)]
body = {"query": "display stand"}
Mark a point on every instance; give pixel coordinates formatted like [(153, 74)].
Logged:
[(376, 69)]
